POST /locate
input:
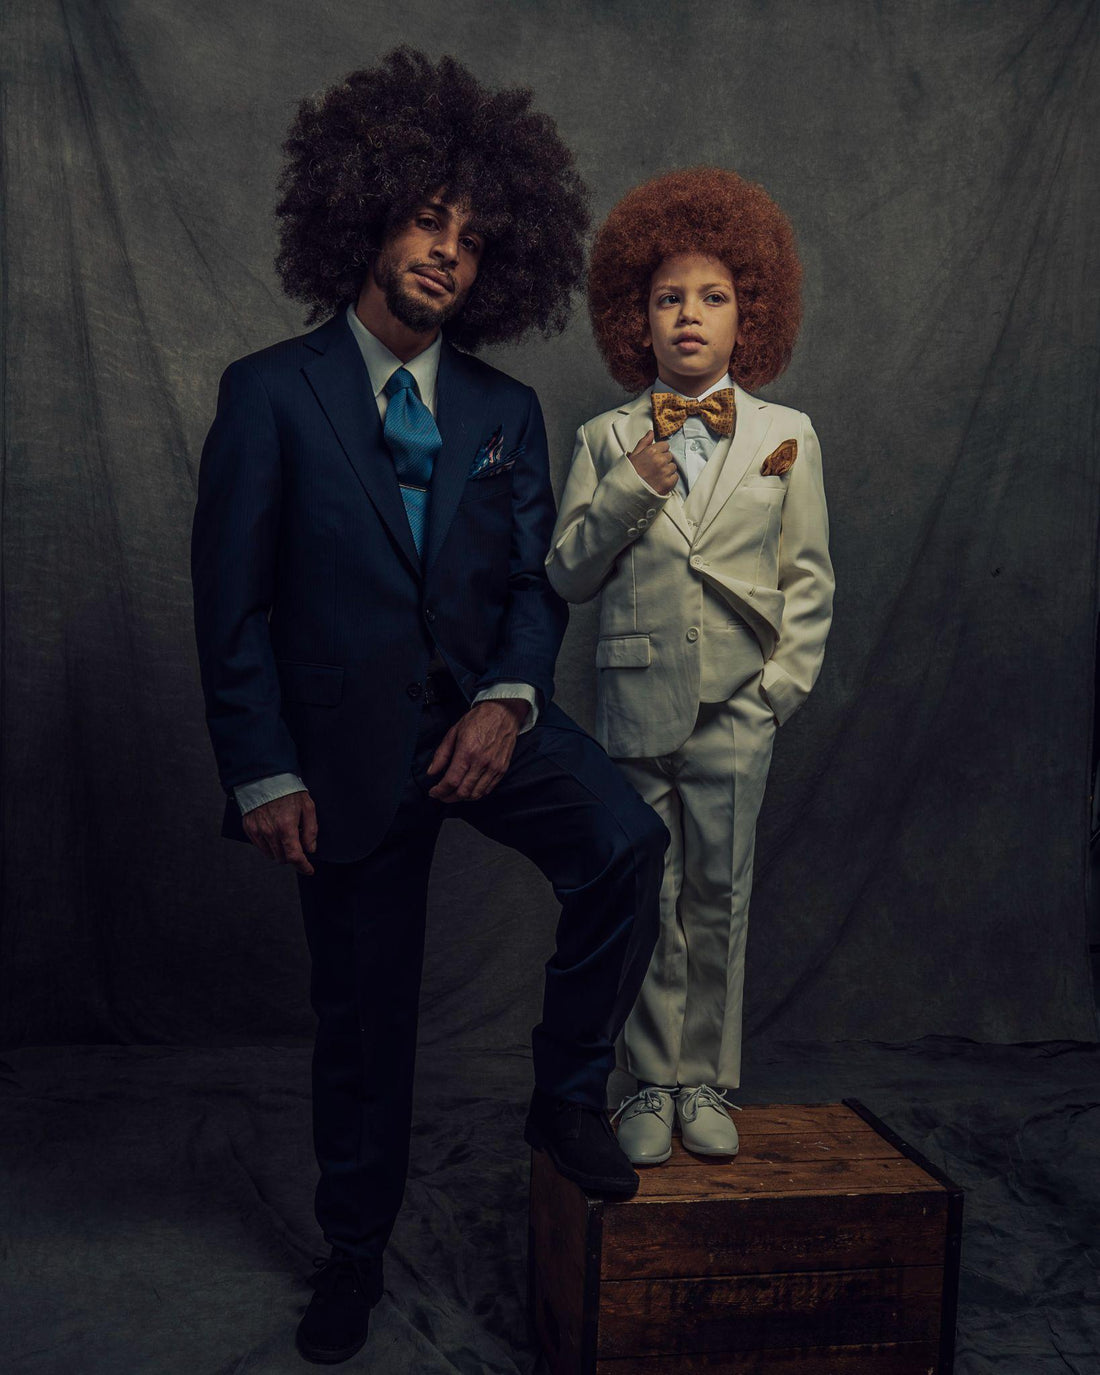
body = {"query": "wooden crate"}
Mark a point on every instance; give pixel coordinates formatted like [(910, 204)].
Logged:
[(827, 1247)]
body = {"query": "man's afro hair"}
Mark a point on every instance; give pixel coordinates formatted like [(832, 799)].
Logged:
[(364, 154)]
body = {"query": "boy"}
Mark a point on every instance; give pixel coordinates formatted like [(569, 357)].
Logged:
[(696, 511)]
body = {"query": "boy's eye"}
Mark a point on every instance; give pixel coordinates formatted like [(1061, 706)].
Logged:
[(717, 297), (426, 221), (667, 298)]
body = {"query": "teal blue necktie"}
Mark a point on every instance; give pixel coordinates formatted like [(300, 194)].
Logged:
[(414, 441)]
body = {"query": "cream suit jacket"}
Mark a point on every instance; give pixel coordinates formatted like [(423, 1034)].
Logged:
[(694, 602)]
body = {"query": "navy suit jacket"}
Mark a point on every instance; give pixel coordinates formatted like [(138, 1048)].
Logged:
[(313, 612)]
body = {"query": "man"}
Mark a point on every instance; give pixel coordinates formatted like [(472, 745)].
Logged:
[(377, 634)]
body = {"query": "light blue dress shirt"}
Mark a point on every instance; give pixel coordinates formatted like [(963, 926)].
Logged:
[(692, 446), (381, 364)]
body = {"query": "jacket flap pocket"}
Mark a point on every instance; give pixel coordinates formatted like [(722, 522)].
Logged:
[(319, 685), (623, 651)]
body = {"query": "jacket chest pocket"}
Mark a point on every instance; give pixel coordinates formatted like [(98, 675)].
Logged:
[(483, 488), (764, 489)]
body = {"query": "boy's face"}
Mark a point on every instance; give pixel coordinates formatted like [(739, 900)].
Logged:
[(693, 321)]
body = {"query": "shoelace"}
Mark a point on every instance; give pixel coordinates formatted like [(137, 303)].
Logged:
[(648, 1100), (705, 1097)]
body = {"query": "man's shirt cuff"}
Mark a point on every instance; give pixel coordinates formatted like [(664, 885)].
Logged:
[(524, 691), (252, 795)]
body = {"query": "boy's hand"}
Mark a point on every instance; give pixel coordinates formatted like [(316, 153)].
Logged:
[(653, 462)]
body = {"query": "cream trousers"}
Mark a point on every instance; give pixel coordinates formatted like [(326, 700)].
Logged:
[(685, 1027)]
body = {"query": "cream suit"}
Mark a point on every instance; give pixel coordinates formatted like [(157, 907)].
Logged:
[(713, 616)]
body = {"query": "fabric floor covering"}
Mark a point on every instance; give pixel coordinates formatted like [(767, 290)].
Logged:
[(157, 1203)]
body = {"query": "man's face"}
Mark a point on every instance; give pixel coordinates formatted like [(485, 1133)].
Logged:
[(693, 321), (426, 268)]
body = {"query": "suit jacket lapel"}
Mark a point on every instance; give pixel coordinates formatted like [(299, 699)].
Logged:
[(340, 382), (460, 404), (630, 425), (753, 424)]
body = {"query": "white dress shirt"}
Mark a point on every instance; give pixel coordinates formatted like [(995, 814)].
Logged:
[(381, 365)]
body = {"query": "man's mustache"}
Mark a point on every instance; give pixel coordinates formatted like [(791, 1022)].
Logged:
[(437, 274)]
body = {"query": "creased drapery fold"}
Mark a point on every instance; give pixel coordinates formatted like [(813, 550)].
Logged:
[(921, 852)]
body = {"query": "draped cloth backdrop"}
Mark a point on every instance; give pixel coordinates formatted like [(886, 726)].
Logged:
[(921, 853)]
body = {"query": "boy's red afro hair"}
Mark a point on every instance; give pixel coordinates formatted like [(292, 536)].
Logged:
[(704, 210)]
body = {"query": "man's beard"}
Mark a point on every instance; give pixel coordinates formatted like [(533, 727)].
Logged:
[(415, 312)]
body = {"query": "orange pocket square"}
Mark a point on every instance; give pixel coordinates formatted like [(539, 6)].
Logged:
[(780, 460)]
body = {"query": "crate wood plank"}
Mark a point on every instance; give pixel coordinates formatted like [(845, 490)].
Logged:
[(764, 1234), (752, 1312), (862, 1145), (801, 1117), (900, 1358), (737, 1179), (558, 1271)]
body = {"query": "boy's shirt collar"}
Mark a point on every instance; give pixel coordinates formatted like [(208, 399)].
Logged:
[(661, 385)]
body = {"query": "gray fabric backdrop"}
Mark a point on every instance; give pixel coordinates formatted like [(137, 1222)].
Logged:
[(921, 852)]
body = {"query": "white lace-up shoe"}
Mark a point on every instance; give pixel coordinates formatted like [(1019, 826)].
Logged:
[(645, 1132), (705, 1123)]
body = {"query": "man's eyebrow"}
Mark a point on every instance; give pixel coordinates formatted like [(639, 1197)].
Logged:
[(468, 226)]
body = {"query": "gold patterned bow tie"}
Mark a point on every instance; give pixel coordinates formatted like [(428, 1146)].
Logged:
[(670, 411)]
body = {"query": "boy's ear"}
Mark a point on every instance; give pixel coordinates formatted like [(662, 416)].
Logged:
[(647, 338)]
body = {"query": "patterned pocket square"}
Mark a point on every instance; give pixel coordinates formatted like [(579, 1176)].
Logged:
[(780, 460), (491, 459)]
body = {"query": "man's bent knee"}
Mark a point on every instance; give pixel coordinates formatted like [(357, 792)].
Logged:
[(648, 833)]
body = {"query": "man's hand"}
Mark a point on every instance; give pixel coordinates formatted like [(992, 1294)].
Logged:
[(282, 828), (478, 749), (653, 462)]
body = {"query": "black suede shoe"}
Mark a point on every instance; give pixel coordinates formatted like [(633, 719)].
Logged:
[(334, 1326), (582, 1144)]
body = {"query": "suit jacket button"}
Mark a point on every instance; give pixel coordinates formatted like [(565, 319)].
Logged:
[(693, 634), (414, 690), (632, 531), (696, 561), (649, 515), (642, 522), (429, 614)]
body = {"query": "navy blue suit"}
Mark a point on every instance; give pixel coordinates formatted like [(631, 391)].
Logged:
[(299, 511), (316, 622)]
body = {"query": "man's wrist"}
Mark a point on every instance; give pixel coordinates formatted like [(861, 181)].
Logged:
[(516, 707), (513, 690), (249, 796)]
